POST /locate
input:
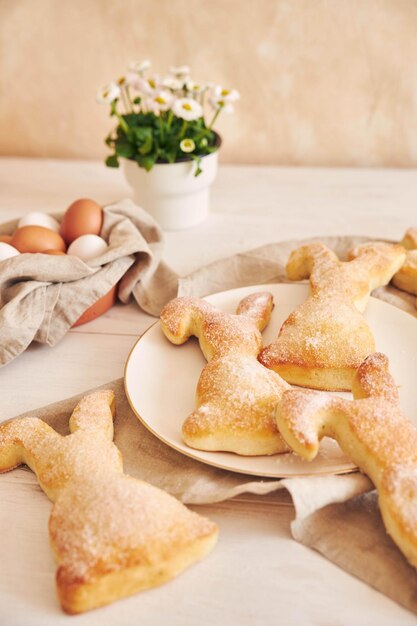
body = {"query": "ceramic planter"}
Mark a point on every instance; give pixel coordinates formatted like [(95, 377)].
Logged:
[(171, 193)]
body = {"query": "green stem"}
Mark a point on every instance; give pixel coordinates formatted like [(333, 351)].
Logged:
[(125, 100), (169, 120), (129, 100), (183, 129), (161, 127), (122, 122), (215, 116)]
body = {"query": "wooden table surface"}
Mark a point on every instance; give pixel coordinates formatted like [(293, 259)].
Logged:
[(257, 574)]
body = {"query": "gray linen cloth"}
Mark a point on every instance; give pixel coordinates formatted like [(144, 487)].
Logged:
[(41, 296)]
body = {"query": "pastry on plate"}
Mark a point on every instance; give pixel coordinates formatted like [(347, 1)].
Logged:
[(409, 241), (373, 432), (323, 342), (112, 535), (406, 277), (236, 396)]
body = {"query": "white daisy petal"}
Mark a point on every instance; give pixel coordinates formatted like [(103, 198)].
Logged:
[(181, 72), (172, 83), (140, 66), (161, 101), (108, 93), (188, 109), (227, 95), (195, 88)]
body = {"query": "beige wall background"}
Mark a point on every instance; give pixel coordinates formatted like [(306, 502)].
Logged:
[(322, 82)]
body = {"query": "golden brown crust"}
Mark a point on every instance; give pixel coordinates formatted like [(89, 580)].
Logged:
[(406, 277), (323, 341), (236, 396), (112, 535), (409, 241), (374, 432)]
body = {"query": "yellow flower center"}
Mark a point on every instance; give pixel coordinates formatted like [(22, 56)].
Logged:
[(152, 83), (187, 106), (160, 100), (225, 92), (121, 80)]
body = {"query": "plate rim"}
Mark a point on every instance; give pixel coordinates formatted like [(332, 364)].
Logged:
[(194, 456)]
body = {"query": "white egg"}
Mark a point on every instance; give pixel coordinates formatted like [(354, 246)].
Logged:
[(36, 218), (87, 247), (7, 251)]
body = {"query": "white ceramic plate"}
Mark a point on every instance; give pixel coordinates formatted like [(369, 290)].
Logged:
[(160, 381)]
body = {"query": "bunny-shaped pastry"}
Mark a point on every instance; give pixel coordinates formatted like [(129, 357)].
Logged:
[(113, 535), (323, 342), (373, 432), (406, 277), (236, 396)]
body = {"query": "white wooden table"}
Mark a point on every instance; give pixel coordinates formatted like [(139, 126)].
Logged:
[(257, 575)]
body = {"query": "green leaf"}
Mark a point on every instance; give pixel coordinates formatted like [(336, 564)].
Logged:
[(146, 147), (146, 162), (112, 161), (124, 149)]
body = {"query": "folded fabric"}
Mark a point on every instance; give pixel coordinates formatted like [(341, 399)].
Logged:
[(41, 296)]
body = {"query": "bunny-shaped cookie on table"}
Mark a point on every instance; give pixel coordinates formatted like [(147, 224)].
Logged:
[(236, 396), (323, 342), (373, 432), (113, 535)]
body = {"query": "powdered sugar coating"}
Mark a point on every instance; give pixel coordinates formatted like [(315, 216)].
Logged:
[(236, 396), (103, 521), (219, 333), (323, 342), (373, 432)]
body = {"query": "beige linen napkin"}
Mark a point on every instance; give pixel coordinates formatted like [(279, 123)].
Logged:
[(41, 296), (336, 515)]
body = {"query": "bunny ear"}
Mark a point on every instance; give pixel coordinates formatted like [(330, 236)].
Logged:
[(181, 318), (304, 417), (311, 259), (21, 440), (373, 379), (258, 307), (94, 413)]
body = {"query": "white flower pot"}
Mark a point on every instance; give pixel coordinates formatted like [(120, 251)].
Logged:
[(171, 193)]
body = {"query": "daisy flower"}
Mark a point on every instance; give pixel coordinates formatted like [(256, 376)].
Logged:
[(221, 98), (188, 109), (108, 94), (181, 72), (195, 88), (187, 145), (140, 66), (172, 83), (160, 101), (147, 86)]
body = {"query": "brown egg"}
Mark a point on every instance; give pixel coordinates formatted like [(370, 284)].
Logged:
[(54, 252), (99, 307), (37, 239), (6, 238), (83, 217)]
